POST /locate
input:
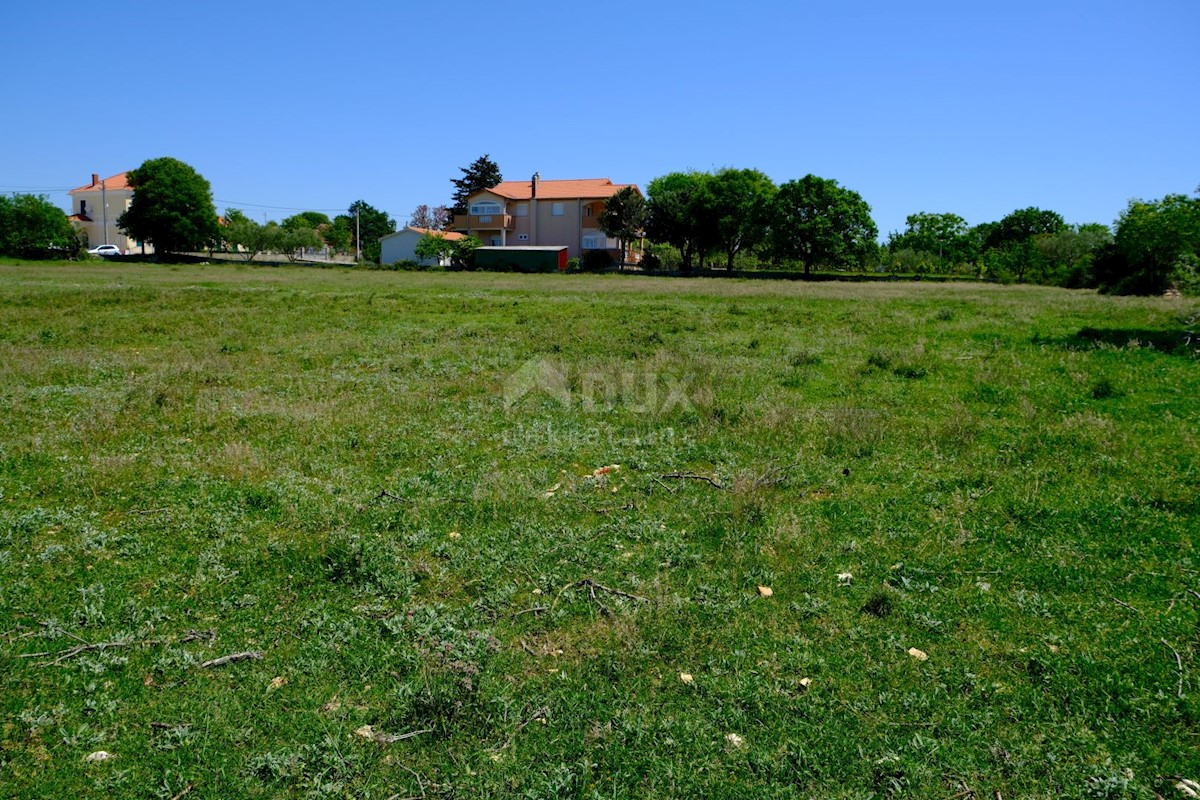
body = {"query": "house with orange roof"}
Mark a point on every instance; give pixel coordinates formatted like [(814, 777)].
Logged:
[(402, 245), (541, 213), (95, 208)]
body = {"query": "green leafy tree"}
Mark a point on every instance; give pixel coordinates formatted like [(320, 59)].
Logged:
[(243, 235), (1023, 225), (1009, 247), (819, 223), (1067, 256), (172, 207), (433, 247), (460, 252), (945, 237), (369, 225), (624, 218), (313, 220), (339, 234), (483, 173), (33, 227), (291, 241), (739, 206), (1156, 246), (680, 214)]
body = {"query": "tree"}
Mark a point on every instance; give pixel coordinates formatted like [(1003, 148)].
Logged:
[(1022, 225), (1157, 245), (305, 219), (679, 214), (293, 241), (1009, 245), (243, 235), (740, 206), (1067, 255), (624, 217), (339, 234), (368, 224), (33, 227), (483, 173), (819, 223), (433, 247), (437, 248), (172, 207), (945, 236), (433, 218)]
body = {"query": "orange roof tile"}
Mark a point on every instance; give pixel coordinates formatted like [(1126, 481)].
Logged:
[(587, 188), (449, 236), (118, 181)]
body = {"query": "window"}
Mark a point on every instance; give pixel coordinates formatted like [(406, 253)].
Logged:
[(556, 209), (83, 208), (587, 211), (494, 241), (485, 207), (522, 210), (594, 242)]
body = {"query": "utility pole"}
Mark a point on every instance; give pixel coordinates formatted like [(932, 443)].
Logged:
[(104, 208), (357, 235)]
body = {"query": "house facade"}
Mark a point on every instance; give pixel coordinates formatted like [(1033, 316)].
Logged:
[(542, 213), (95, 208), (402, 246)]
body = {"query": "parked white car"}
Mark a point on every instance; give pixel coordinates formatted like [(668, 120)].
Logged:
[(105, 250)]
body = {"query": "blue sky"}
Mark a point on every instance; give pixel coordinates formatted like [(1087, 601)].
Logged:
[(964, 107)]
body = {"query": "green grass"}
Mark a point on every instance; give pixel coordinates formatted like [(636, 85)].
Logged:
[(321, 466)]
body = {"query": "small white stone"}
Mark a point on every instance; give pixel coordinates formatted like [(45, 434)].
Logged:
[(99, 755)]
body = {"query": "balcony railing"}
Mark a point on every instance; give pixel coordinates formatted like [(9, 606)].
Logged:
[(486, 222)]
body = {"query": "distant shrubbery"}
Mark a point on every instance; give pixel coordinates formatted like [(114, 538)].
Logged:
[(33, 227)]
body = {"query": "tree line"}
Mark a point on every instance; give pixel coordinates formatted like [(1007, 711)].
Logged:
[(728, 218)]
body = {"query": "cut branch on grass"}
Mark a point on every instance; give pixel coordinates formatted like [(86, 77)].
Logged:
[(384, 494), (186, 789), (1126, 605), (534, 610), (232, 658), (540, 713), (87, 647), (692, 476), (593, 587), (773, 476), (1178, 666)]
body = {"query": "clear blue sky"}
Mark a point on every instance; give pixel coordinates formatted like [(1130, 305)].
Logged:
[(964, 107)]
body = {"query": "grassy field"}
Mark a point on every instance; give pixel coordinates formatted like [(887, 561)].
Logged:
[(864, 540)]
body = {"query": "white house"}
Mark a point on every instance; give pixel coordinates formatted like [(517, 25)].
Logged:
[(402, 245), (95, 208)]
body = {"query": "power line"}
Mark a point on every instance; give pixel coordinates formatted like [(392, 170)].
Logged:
[(236, 203), (37, 188)]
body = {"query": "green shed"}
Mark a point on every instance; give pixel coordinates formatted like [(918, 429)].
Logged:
[(522, 258)]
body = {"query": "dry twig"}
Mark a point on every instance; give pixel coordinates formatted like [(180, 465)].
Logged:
[(231, 658), (1126, 605), (1178, 665), (692, 476)]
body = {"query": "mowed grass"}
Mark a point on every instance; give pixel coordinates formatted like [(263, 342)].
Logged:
[(386, 485)]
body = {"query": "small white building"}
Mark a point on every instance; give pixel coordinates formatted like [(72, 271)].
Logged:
[(402, 245)]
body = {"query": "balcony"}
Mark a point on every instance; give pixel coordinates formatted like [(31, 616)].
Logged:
[(484, 222)]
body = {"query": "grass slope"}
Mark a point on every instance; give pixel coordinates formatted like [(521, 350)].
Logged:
[(384, 484)]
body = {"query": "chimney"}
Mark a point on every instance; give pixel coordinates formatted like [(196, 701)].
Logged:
[(95, 179), (536, 177)]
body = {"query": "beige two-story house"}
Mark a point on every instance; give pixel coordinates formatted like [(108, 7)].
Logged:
[(95, 208), (541, 213)]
